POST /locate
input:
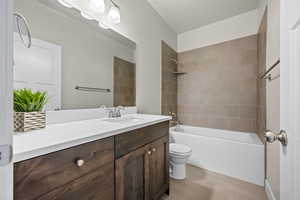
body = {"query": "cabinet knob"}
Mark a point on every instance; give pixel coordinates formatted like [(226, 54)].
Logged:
[(149, 152), (153, 150), (79, 162)]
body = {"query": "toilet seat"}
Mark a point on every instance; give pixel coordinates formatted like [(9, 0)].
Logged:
[(179, 149)]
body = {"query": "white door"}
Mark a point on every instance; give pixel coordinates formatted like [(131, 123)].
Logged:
[(6, 85), (39, 69), (290, 99)]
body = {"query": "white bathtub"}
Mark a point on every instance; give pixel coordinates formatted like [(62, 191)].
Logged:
[(235, 154)]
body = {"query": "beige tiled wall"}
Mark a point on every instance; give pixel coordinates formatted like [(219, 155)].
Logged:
[(220, 88), (169, 80)]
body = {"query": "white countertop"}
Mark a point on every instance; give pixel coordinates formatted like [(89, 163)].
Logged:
[(57, 137)]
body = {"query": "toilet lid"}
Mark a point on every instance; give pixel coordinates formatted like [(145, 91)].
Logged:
[(179, 148)]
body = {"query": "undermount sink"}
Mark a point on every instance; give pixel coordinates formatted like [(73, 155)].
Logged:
[(123, 119)]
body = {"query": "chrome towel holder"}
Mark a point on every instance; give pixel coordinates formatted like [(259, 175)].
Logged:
[(267, 75), (21, 21), (91, 89)]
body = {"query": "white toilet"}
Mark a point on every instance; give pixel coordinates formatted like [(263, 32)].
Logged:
[(179, 154)]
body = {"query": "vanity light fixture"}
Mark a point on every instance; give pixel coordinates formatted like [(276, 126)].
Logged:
[(114, 14), (97, 6), (106, 12)]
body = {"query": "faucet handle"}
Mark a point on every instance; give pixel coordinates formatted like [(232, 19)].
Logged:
[(173, 115), (118, 110), (109, 111)]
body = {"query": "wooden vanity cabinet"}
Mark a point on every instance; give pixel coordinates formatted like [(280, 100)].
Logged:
[(132, 175), (130, 141), (84, 172), (143, 174), (129, 166), (159, 168)]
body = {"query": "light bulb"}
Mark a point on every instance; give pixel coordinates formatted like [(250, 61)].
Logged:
[(65, 3), (97, 6), (114, 15)]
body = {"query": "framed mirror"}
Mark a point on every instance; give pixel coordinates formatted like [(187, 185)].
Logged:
[(78, 63)]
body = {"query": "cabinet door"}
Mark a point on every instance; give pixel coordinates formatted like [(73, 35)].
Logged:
[(132, 175), (159, 168)]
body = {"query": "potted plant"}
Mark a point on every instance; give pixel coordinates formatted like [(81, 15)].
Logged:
[(28, 107)]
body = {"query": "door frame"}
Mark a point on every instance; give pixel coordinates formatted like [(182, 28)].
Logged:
[(6, 87), (289, 99)]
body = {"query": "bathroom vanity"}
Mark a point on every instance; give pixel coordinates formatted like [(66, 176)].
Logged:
[(77, 157), (119, 161)]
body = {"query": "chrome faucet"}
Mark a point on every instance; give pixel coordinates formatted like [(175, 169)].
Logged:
[(115, 112)]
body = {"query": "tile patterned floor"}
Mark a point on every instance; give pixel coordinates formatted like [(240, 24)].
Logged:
[(205, 185)]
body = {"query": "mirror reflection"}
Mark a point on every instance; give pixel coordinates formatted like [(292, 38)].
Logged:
[(78, 63)]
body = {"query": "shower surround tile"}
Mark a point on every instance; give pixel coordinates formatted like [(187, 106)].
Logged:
[(220, 88), (169, 80)]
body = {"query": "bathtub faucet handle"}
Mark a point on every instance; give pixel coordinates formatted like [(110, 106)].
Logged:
[(173, 115)]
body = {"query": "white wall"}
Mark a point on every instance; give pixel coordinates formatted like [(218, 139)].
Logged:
[(229, 29), (87, 54), (142, 24)]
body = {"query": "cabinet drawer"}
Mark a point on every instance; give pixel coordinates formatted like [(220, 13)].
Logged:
[(38, 176), (96, 185), (130, 141)]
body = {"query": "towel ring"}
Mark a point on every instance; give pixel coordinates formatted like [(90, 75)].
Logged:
[(21, 20)]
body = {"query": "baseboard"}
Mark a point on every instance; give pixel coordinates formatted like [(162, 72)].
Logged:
[(269, 191)]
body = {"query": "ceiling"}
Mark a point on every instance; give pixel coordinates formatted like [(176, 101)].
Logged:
[(185, 15)]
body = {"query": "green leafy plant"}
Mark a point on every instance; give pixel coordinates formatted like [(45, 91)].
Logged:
[(26, 100)]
